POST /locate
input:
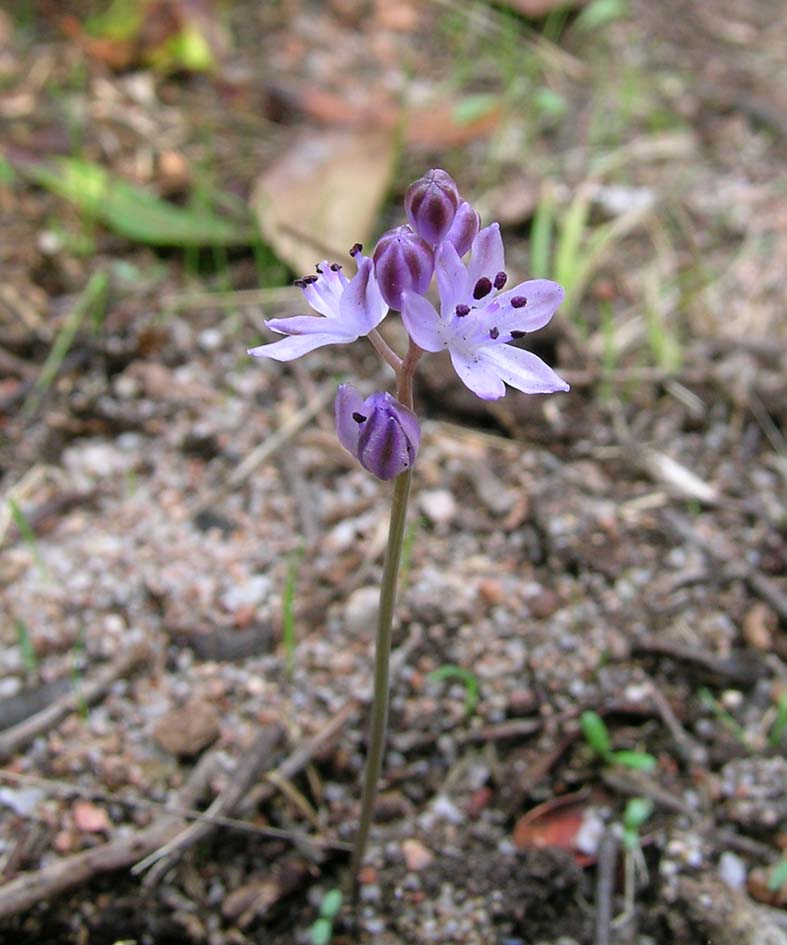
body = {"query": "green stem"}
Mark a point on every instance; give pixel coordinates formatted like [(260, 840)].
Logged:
[(382, 656)]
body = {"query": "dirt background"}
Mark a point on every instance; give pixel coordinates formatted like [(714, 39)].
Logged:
[(175, 513)]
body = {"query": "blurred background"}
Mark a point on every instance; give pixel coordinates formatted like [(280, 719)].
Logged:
[(189, 560)]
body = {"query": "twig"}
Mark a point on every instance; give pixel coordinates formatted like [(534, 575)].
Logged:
[(16, 737), (268, 447), (249, 769), (30, 888), (605, 886)]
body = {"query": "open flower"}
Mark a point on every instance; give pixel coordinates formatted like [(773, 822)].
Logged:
[(477, 320), (349, 308), (382, 434)]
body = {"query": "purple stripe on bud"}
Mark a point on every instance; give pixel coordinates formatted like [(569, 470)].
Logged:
[(431, 204), (382, 434), (402, 261), (464, 229)]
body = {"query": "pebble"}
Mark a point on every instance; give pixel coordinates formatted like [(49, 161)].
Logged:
[(732, 870), (438, 505), (360, 611), (416, 855), (185, 731)]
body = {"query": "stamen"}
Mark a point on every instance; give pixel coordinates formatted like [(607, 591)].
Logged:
[(500, 280), (310, 280), (317, 267), (356, 248), (462, 310), (494, 333), (301, 283), (518, 334), (482, 288), (518, 301), (335, 267), (358, 417)]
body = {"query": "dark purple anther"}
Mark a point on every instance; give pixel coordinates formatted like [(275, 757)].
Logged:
[(464, 229), (301, 283), (494, 333), (355, 249), (482, 288), (517, 334), (462, 310), (317, 267), (402, 262), (336, 267), (518, 301), (431, 204), (382, 434), (500, 280)]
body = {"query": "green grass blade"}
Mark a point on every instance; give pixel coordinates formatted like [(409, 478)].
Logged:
[(26, 648), (541, 237), (569, 245), (464, 676), (133, 211), (28, 536)]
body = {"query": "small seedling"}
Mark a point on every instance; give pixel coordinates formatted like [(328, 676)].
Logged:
[(597, 736), (638, 810), (464, 676), (780, 722), (26, 648), (28, 536), (322, 931), (288, 611), (709, 701)]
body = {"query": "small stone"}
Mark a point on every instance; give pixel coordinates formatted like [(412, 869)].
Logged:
[(759, 625), (185, 731), (491, 591), (732, 870), (438, 505), (416, 855), (543, 604), (360, 611), (90, 818)]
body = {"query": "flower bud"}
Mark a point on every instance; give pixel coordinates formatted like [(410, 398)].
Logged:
[(382, 434), (464, 229), (431, 204), (402, 260)]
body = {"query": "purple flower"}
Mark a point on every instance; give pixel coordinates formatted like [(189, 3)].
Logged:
[(477, 320), (349, 308), (402, 260), (431, 204), (382, 434)]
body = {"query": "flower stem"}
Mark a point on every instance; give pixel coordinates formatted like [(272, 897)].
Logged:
[(379, 720)]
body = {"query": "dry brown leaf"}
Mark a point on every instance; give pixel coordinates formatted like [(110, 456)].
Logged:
[(324, 193)]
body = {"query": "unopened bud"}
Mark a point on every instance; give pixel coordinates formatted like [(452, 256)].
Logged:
[(402, 260), (431, 204), (382, 434), (464, 229)]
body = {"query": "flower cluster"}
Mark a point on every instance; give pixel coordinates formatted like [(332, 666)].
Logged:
[(476, 320)]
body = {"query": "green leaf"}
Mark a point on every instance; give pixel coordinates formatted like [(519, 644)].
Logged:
[(331, 904), (321, 932), (637, 811), (639, 760), (473, 107), (596, 733), (541, 236), (778, 876), (598, 14), (131, 210), (464, 676)]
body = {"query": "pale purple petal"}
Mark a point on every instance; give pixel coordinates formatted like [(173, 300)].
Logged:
[(543, 298), (324, 294), (294, 346), (362, 306), (306, 325), (475, 373), (348, 402), (487, 256), (452, 282), (422, 322), (522, 370)]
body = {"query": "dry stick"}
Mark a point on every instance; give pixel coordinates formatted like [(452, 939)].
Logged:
[(67, 789), (605, 886), (249, 770), (268, 447), (28, 889), (16, 737)]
